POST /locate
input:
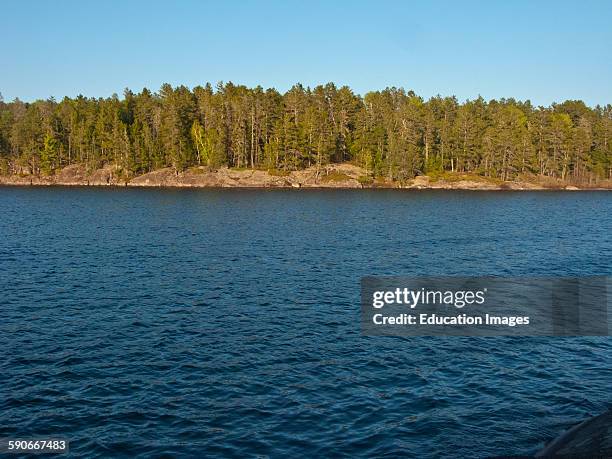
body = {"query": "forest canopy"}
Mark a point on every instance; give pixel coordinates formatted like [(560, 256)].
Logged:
[(391, 133)]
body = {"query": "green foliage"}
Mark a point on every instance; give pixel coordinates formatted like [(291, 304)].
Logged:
[(335, 176), (48, 157), (278, 173), (365, 180), (433, 165), (393, 133)]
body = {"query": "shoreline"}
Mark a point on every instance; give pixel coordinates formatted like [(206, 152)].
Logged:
[(334, 176), (4, 184)]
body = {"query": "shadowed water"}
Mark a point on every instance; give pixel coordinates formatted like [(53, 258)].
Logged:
[(198, 323)]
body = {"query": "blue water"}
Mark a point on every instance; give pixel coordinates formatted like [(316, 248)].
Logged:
[(193, 323)]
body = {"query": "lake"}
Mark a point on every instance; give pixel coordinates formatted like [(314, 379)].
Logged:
[(144, 322)]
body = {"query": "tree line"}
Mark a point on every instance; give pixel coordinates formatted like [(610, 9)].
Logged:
[(391, 133)]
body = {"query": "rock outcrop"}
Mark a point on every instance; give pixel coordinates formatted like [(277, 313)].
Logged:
[(329, 176)]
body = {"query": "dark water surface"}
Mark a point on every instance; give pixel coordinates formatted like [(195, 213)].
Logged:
[(200, 323)]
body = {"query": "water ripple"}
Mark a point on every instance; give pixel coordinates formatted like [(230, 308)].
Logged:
[(160, 323)]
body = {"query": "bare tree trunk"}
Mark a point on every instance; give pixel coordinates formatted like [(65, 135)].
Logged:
[(252, 140)]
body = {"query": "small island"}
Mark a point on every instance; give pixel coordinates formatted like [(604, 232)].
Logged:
[(321, 137)]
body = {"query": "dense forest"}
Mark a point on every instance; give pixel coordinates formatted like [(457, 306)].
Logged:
[(391, 133)]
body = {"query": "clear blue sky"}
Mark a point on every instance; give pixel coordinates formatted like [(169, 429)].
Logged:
[(544, 51)]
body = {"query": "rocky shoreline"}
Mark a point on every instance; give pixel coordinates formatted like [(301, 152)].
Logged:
[(343, 176)]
